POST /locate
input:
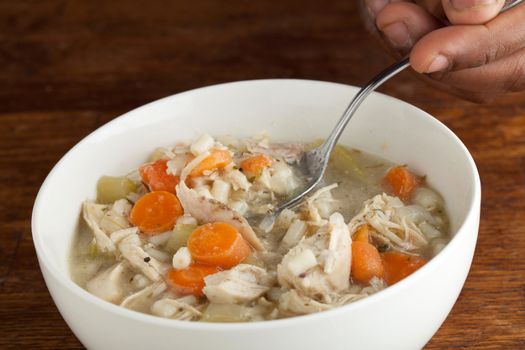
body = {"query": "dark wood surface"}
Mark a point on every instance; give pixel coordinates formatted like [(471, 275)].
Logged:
[(68, 67)]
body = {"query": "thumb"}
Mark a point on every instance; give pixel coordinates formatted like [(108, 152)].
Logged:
[(472, 11), (467, 46)]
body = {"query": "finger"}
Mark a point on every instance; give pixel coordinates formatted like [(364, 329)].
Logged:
[(434, 7), (467, 46), (403, 23), (472, 11), (483, 84), (375, 6)]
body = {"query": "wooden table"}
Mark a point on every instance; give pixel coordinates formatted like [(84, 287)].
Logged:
[(69, 67)]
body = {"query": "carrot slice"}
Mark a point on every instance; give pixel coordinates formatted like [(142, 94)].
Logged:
[(155, 176), (156, 212), (254, 165), (191, 279), (361, 235), (401, 182), (399, 265), (218, 244), (366, 262), (218, 159)]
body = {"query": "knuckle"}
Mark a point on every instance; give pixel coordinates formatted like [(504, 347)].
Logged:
[(516, 75), (492, 47)]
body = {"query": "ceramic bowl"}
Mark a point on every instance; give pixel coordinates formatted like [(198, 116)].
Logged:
[(403, 316)]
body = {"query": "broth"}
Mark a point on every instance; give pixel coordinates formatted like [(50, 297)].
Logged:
[(309, 259)]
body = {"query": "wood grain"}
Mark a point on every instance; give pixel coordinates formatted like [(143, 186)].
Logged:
[(70, 66)]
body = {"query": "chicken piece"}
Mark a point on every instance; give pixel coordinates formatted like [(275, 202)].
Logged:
[(294, 303), (279, 178), (119, 235), (106, 219), (131, 250), (319, 266), (320, 205), (209, 210), (116, 217), (289, 152), (109, 284), (93, 214), (139, 281), (240, 284), (391, 221), (144, 298), (238, 180), (177, 309)]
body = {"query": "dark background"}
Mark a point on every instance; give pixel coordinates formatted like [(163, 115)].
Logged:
[(67, 67)]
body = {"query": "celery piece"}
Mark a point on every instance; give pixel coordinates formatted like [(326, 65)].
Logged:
[(180, 235), (110, 188), (341, 158)]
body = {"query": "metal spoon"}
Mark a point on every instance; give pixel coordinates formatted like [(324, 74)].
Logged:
[(313, 163)]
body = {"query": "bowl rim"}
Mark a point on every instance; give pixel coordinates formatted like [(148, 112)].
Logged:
[(72, 287)]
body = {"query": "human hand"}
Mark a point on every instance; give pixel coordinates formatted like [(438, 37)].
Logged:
[(464, 46)]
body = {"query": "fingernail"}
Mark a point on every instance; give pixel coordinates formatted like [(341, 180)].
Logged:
[(439, 63), (468, 4), (398, 35), (374, 6)]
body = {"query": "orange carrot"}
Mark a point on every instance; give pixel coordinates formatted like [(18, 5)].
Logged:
[(366, 262), (399, 265), (191, 279), (156, 212), (361, 235), (217, 159), (401, 182), (254, 165), (218, 244), (155, 176)]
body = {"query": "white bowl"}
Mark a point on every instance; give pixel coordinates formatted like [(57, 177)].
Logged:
[(404, 316)]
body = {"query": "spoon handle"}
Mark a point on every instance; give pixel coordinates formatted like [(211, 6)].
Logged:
[(510, 4), (316, 160), (378, 80), (363, 93)]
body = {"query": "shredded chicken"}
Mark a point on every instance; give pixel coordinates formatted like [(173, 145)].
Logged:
[(289, 152), (209, 210), (109, 284), (382, 213), (240, 284), (238, 180), (106, 219), (119, 235), (144, 298), (93, 213), (320, 204), (116, 217), (178, 309), (295, 303), (131, 250), (319, 265)]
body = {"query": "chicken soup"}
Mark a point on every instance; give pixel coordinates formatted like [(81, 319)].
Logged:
[(190, 234)]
